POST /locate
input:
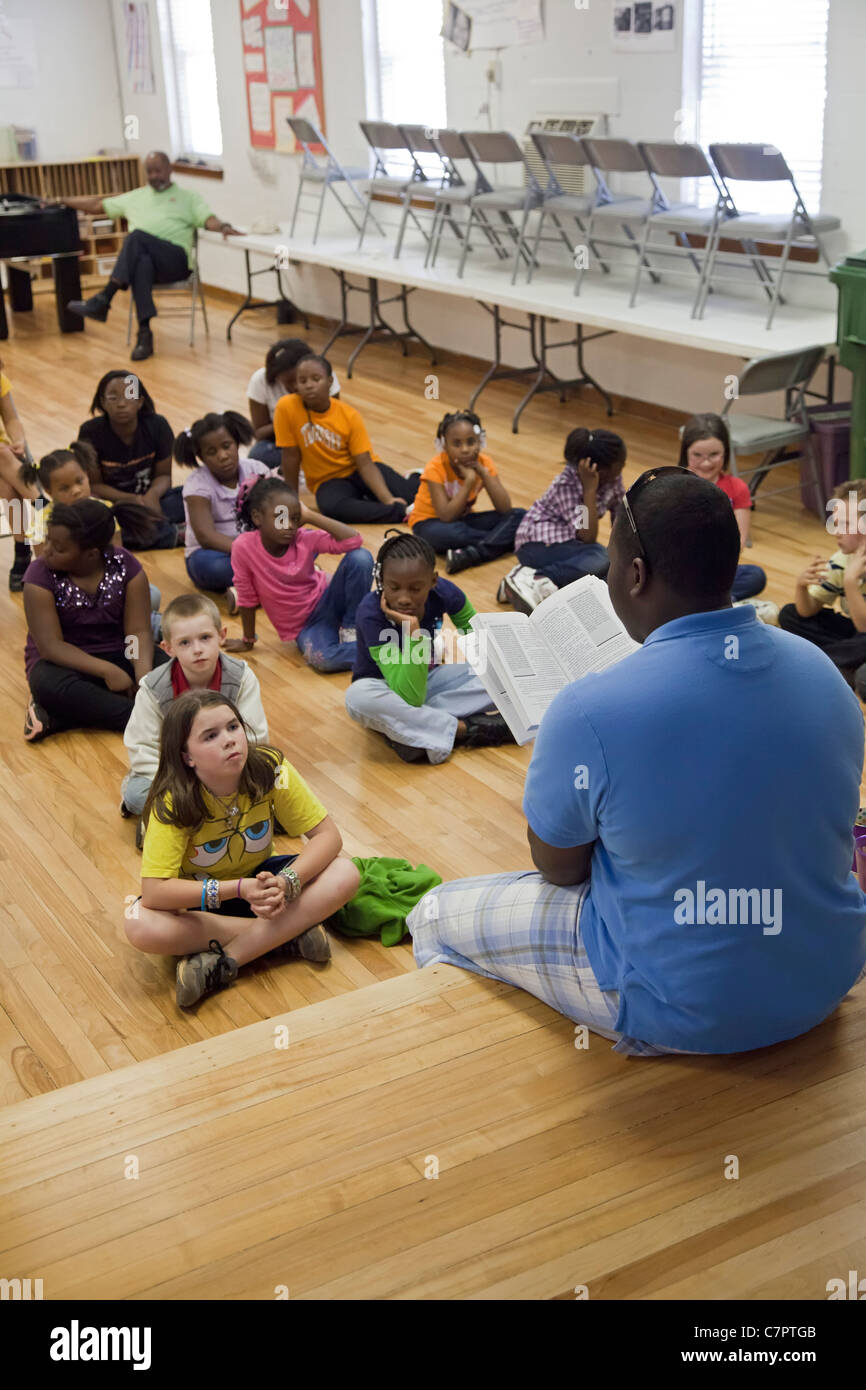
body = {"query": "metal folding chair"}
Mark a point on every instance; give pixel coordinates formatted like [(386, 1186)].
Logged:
[(456, 191), (388, 143), (323, 175), (559, 153), (500, 147), (676, 222), (191, 286), (608, 156), (418, 198), (790, 372), (797, 228)]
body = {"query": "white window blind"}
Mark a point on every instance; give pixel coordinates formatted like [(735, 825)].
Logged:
[(190, 74), (763, 80), (411, 62)]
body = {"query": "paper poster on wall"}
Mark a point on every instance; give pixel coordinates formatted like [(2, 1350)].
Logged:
[(260, 108), (457, 27), (139, 62), (17, 46), (282, 64), (305, 59), (644, 26), (280, 58), (504, 23)]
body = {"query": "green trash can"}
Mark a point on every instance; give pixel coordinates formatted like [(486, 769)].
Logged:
[(850, 278)]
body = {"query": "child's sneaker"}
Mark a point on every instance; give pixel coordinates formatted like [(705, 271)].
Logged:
[(348, 634), (543, 587), (519, 589), (767, 612), (486, 731), (312, 944), (406, 751), (202, 973), (37, 724)]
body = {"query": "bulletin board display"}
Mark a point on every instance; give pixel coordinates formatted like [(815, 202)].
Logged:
[(282, 56)]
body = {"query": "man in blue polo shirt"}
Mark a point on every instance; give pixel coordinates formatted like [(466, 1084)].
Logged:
[(690, 815)]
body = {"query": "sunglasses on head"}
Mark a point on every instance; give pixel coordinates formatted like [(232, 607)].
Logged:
[(638, 487)]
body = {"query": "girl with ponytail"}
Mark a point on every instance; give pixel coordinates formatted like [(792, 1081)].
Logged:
[(558, 538)]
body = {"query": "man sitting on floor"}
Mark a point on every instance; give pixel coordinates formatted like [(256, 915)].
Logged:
[(157, 251), (690, 815)]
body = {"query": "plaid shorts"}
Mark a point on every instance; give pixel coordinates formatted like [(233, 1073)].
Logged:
[(524, 931)]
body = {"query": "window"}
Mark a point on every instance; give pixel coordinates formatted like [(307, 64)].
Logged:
[(763, 79), (411, 63), (190, 78)]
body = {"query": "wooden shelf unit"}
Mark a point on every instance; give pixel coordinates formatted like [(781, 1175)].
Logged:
[(101, 237)]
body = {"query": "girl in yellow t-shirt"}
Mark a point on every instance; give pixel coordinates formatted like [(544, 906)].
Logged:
[(330, 440), (211, 890), (451, 484), (17, 497)]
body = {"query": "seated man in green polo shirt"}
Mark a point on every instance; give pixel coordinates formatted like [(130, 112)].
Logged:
[(157, 251)]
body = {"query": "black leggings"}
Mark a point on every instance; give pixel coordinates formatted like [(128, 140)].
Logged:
[(76, 701), (350, 500)]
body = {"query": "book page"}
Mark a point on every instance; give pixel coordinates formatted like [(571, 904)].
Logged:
[(491, 678), (580, 626), (530, 671)]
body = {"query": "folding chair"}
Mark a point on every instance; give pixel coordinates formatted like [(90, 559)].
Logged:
[(456, 190), (666, 159), (191, 286), (608, 156), (790, 372), (500, 147), (323, 175), (560, 152), (386, 141), (797, 228), (418, 196)]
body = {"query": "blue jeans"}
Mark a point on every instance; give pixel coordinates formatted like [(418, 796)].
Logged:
[(210, 569), (748, 581), (566, 561), (267, 452), (319, 638), (490, 533)]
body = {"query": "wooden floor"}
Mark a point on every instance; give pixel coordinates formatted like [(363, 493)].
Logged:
[(618, 1161)]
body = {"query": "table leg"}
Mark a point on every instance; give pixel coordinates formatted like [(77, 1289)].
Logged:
[(67, 285), (20, 289)]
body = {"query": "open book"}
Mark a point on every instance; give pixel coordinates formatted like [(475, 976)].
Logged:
[(524, 662)]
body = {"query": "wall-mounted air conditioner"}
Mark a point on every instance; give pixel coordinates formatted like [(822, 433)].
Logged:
[(573, 180)]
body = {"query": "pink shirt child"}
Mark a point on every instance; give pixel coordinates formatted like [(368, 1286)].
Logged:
[(287, 587)]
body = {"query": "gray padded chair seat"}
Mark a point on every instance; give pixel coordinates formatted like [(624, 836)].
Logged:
[(638, 208), (387, 185), (501, 199), (754, 434), (775, 226), (685, 217), (579, 203), (454, 193), (325, 175)]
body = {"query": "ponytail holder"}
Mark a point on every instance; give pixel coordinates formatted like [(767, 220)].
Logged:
[(188, 434), (589, 440)]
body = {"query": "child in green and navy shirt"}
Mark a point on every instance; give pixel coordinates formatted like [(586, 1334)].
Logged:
[(400, 688)]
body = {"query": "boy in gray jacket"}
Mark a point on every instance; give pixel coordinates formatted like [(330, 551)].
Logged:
[(192, 632)]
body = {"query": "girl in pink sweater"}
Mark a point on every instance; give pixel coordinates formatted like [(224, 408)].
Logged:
[(274, 565)]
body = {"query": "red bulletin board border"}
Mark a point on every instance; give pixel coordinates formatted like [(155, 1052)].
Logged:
[(276, 13)]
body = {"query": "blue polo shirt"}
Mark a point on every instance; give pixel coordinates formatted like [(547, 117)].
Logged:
[(717, 770)]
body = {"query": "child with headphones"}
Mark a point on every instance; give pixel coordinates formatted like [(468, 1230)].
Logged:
[(443, 512), (400, 687)]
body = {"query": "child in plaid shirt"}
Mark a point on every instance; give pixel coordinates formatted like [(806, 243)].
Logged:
[(558, 535), (840, 634)]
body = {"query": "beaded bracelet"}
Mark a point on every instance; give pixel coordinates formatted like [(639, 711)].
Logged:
[(212, 893), (293, 884)]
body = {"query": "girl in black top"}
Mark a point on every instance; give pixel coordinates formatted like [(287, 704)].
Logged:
[(133, 447)]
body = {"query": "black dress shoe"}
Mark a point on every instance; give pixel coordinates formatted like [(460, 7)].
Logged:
[(144, 347), (96, 307)]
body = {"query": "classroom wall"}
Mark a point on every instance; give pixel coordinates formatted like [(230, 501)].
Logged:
[(74, 106), (573, 70)]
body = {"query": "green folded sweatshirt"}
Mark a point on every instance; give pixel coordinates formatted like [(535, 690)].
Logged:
[(389, 890)]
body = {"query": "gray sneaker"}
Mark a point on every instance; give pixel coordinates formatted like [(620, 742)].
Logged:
[(313, 944), (202, 973)]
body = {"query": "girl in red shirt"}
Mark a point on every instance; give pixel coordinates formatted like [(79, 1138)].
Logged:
[(706, 452)]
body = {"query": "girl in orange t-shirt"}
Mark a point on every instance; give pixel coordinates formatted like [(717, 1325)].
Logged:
[(451, 484), (329, 438)]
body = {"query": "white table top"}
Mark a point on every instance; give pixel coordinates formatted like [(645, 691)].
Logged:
[(732, 325)]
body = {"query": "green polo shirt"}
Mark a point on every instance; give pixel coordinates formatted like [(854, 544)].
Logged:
[(171, 214)]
